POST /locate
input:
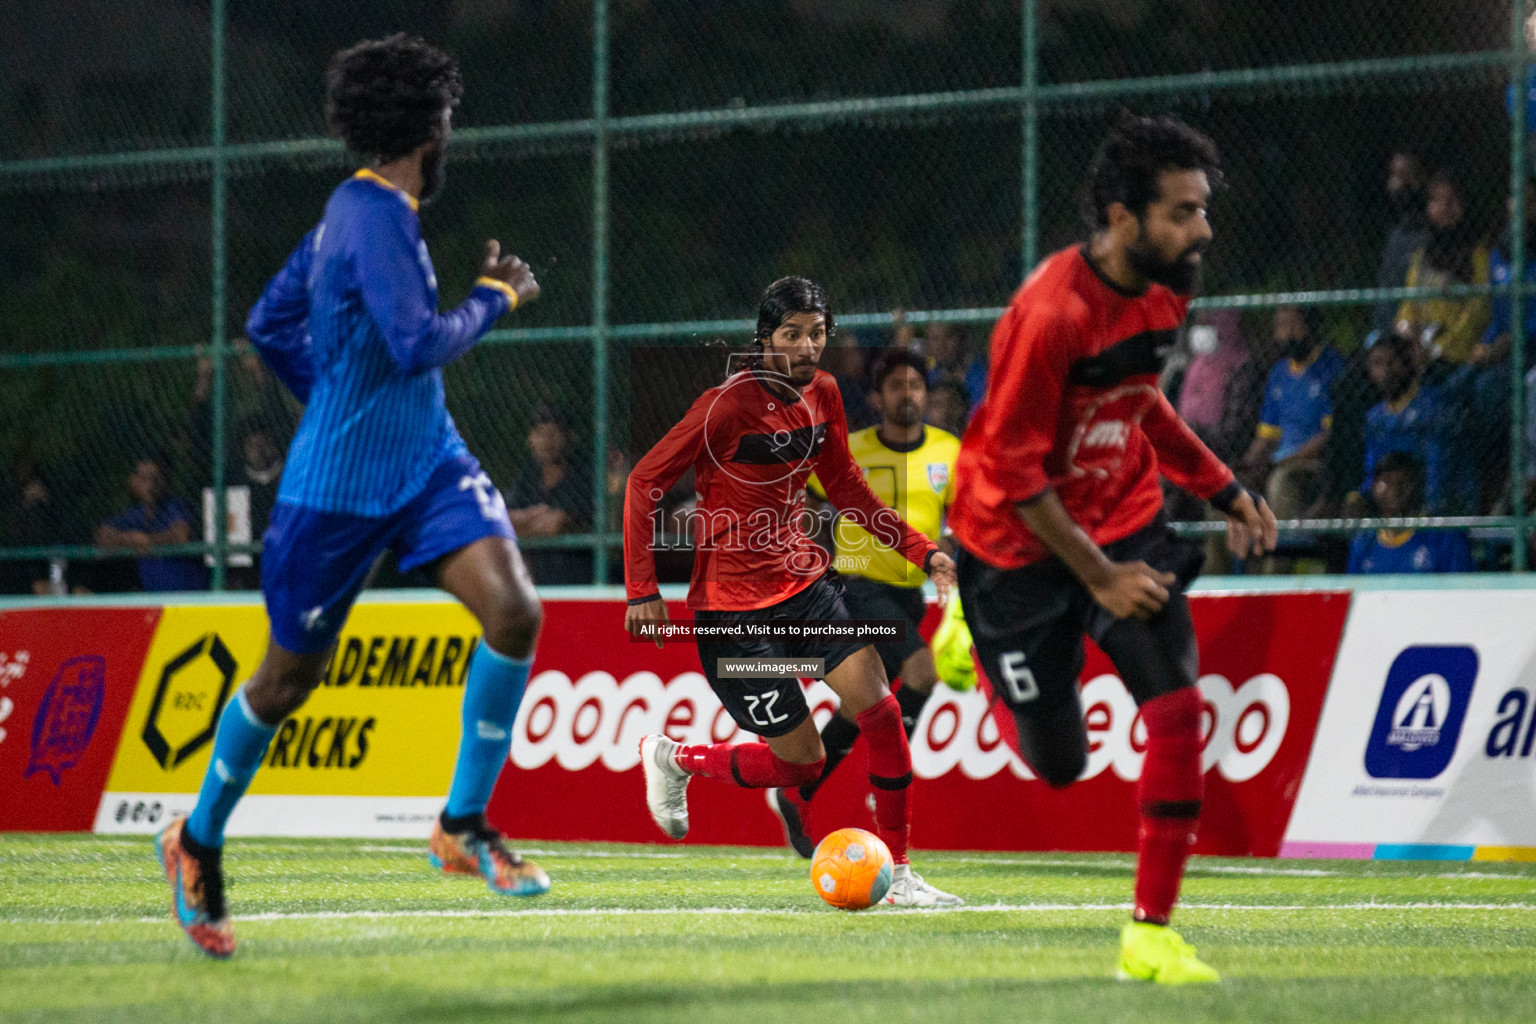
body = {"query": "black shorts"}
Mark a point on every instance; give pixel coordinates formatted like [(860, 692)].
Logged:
[(774, 706), (1028, 624), (871, 601)]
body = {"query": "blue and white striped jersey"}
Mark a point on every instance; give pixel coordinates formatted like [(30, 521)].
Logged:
[(351, 325)]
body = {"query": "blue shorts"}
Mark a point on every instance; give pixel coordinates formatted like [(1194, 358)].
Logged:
[(313, 564)]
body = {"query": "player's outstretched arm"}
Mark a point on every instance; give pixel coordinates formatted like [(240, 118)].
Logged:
[(1125, 589), (278, 325), (1181, 456), (652, 477), (1184, 459), (399, 291)]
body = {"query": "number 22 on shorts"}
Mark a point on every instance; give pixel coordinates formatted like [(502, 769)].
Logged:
[(766, 702), (1018, 680)]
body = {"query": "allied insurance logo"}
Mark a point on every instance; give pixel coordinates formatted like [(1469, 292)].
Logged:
[(1422, 707)]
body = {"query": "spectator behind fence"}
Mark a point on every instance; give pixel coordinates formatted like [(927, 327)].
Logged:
[(157, 520), (1216, 354), (948, 406), (260, 472), (948, 349), (1484, 384), (552, 495), (1529, 468), (1398, 492), (1354, 393), (1285, 459), (845, 360), (1245, 396), (1449, 328), (1405, 194), (254, 395), (33, 520), (1411, 417)]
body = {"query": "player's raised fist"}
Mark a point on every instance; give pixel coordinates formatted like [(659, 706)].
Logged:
[(511, 270)]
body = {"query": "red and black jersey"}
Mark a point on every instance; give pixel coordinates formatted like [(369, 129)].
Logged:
[(1073, 404), (752, 447)]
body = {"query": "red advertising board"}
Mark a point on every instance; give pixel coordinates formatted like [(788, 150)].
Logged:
[(67, 676), (1265, 666)]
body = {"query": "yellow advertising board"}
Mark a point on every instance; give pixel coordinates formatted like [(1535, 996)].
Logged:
[(384, 722)]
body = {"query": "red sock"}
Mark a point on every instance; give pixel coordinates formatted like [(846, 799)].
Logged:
[(890, 773), (749, 765), (1168, 798)]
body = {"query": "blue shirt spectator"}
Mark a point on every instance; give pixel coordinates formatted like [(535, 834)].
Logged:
[(1415, 423), (1409, 551), (1399, 491), (1298, 401), (155, 521), (976, 381), (1412, 417), (1501, 271)]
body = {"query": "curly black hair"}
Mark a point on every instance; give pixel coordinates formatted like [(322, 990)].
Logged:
[(385, 97), (894, 359), (1136, 150), (786, 297)]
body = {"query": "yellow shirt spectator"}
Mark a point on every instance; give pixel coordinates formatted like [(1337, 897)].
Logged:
[(1462, 321)]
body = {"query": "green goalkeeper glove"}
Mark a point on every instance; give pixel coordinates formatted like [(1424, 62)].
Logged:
[(952, 648)]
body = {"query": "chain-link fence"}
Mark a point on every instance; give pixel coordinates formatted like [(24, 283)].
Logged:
[(660, 162)]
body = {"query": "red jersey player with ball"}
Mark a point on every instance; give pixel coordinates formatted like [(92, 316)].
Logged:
[(753, 442), (1059, 510)]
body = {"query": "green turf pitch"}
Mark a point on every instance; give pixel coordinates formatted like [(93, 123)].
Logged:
[(334, 930)]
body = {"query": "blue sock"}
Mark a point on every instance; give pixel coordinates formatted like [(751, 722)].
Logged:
[(238, 748), (491, 696)]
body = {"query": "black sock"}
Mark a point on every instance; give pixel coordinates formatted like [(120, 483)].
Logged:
[(837, 738), (197, 849), (912, 704), (463, 823)]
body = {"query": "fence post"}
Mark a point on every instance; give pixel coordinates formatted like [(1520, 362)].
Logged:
[(600, 288), (219, 270), (1031, 139)]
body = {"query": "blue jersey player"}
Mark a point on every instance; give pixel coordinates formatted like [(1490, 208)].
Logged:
[(351, 325)]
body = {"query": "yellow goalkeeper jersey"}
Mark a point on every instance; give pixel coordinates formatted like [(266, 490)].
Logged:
[(917, 481)]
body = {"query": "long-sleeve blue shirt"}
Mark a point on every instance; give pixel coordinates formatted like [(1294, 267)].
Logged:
[(351, 325)]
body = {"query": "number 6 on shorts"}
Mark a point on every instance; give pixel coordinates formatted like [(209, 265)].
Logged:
[(1017, 678)]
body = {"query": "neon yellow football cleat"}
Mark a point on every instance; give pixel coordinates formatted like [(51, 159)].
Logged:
[(1156, 953), (952, 648)]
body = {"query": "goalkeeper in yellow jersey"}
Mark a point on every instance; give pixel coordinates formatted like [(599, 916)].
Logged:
[(910, 466)]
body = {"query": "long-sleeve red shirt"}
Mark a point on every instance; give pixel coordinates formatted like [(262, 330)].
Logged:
[(1073, 404), (752, 449)]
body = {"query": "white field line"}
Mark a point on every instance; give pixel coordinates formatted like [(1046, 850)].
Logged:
[(601, 854), (1130, 864), (420, 850), (1195, 867), (989, 908), (1124, 861)]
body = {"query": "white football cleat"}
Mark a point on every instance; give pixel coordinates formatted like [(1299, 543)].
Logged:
[(666, 785), (909, 890)]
